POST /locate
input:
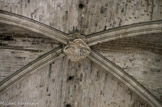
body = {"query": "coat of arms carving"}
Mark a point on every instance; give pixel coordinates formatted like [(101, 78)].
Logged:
[(77, 50)]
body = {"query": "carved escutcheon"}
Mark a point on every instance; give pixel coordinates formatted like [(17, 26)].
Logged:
[(77, 50)]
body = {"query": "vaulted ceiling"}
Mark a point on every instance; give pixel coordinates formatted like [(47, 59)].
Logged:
[(126, 32)]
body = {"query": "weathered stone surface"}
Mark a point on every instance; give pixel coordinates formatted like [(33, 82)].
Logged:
[(99, 15), (60, 14), (145, 28), (88, 16), (18, 49), (149, 42), (144, 66), (64, 84), (139, 56)]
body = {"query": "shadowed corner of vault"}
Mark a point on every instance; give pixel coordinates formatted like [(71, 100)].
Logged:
[(18, 47), (139, 56)]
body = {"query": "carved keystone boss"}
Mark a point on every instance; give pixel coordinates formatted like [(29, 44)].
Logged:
[(77, 50)]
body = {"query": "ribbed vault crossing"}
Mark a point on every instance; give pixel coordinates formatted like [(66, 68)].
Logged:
[(93, 39)]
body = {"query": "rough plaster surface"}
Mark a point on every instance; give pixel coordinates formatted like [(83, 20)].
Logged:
[(60, 14), (63, 84), (145, 67), (139, 56), (17, 50), (87, 16)]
